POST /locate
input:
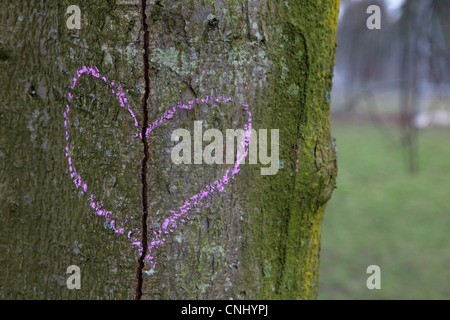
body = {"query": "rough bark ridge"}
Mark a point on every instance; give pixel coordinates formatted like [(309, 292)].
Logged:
[(258, 239), (145, 209)]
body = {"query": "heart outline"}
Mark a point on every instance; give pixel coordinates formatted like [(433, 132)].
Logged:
[(194, 201)]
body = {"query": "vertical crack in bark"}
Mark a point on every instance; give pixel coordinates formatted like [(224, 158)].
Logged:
[(145, 209)]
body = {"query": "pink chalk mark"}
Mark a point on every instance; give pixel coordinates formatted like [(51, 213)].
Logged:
[(159, 236)]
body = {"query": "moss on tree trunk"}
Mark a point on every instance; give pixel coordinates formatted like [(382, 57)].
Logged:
[(258, 239)]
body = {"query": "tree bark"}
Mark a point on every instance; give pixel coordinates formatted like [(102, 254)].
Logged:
[(259, 239)]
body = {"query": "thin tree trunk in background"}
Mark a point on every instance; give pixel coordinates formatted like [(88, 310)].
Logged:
[(415, 63), (258, 239)]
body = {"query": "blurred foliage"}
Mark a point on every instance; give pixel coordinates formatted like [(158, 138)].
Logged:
[(367, 56), (381, 215)]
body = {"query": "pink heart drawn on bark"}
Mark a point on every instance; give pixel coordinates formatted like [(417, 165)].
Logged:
[(179, 215)]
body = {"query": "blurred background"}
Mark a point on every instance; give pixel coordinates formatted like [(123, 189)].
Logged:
[(391, 120)]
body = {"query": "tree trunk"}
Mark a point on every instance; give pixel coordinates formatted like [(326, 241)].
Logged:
[(259, 239)]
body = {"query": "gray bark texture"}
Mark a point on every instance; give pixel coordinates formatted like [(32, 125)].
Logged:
[(259, 239)]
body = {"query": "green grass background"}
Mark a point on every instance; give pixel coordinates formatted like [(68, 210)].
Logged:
[(381, 214)]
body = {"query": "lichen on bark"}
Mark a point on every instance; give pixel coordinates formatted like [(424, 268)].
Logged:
[(259, 239)]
